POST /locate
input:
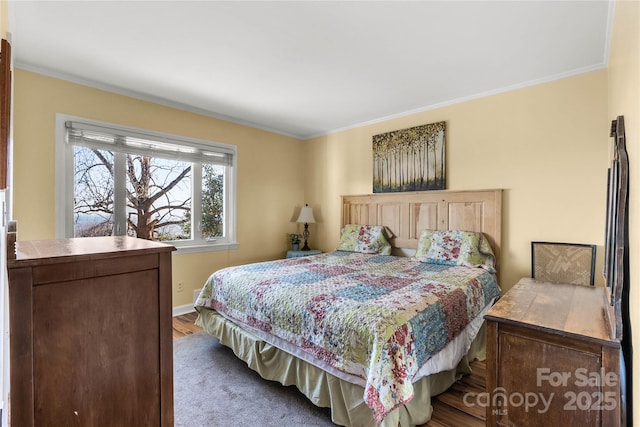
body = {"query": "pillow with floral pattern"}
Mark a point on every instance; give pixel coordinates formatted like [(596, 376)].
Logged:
[(366, 239), (455, 247)]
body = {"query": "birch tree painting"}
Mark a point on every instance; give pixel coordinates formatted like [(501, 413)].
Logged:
[(409, 159)]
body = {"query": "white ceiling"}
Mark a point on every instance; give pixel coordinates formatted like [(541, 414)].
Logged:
[(307, 68)]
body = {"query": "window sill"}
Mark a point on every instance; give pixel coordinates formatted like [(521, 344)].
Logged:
[(191, 249)]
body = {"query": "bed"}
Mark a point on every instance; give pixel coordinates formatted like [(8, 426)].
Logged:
[(375, 328)]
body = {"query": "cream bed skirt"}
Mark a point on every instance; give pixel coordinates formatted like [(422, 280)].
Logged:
[(324, 389)]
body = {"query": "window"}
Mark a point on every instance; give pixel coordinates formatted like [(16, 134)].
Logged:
[(113, 180)]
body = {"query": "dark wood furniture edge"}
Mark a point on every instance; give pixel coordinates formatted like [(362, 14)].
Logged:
[(491, 367), (21, 349), (11, 240), (5, 110), (31, 260), (166, 339)]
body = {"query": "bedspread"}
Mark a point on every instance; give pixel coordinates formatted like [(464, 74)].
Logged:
[(377, 317)]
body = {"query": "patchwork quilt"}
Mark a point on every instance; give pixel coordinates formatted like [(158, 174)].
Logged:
[(378, 317)]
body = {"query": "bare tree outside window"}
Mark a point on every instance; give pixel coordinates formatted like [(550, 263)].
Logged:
[(158, 195), (93, 192)]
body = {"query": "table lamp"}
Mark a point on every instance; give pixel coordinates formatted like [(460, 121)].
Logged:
[(306, 217)]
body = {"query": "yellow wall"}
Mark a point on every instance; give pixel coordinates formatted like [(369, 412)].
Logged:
[(624, 99), (4, 19), (545, 145), (269, 171)]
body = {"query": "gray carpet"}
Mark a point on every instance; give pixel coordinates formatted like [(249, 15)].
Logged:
[(212, 387)]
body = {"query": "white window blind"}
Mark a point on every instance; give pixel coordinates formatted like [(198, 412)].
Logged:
[(128, 141)]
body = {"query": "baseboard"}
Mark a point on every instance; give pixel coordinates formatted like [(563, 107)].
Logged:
[(183, 309)]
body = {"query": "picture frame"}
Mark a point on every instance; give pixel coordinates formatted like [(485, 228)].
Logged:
[(411, 159), (559, 262)]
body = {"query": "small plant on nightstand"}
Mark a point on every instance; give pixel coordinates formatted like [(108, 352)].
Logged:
[(295, 241)]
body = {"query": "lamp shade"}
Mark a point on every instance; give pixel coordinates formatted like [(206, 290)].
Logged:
[(306, 215)]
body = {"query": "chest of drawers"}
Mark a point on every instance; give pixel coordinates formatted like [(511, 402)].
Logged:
[(90, 333), (551, 357)]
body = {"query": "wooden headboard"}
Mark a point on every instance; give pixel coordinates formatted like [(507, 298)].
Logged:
[(406, 214)]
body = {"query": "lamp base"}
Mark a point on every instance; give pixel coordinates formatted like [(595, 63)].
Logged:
[(305, 234)]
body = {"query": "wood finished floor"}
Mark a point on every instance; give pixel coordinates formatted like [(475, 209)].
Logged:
[(449, 409)]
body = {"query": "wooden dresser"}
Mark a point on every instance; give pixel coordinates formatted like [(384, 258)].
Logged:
[(90, 333), (551, 357)]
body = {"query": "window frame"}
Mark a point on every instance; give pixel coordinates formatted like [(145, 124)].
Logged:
[(64, 168)]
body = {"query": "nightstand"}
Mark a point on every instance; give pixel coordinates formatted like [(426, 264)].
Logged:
[(298, 254)]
